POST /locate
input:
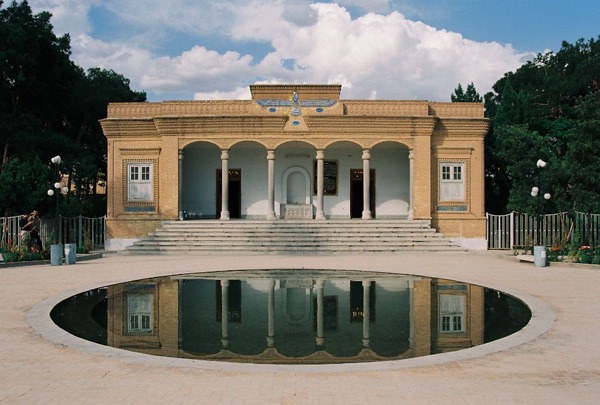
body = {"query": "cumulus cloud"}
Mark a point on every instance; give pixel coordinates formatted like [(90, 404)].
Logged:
[(379, 54), (68, 16)]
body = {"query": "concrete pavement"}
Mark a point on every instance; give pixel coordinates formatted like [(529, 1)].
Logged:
[(554, 360)]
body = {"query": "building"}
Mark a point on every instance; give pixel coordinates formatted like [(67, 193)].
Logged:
[(295, 152)]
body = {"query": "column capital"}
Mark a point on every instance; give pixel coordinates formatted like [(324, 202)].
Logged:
[(320, 154), (411, 154), (366, 154), (271, 154), (224, 154), (180, 154)]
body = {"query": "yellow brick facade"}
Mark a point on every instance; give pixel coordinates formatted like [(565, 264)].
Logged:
[(158, 134)]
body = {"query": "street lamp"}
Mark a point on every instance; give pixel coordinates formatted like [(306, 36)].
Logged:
[(56, 160), (539, 251)]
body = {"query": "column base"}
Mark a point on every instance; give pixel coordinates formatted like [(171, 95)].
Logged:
[(271, 216), (224, 216), (411, 215), (320, 215), (366, 214)]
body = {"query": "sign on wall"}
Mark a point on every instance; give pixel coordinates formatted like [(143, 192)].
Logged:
[(330, 177)]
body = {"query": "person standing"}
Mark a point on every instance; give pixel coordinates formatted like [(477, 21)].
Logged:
[(33, 226)]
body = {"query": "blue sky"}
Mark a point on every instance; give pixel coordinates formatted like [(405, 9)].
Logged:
[(380, 49)]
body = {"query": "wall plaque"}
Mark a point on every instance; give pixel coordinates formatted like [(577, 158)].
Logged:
[(330, 177)]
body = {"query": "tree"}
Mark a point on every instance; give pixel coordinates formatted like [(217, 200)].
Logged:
[(546, 109), (49, 106), (37, 75), (24, 186), (471, 95)]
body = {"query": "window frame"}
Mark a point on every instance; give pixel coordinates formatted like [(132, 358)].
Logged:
[(453, 322), (448, 186), (140, 189)]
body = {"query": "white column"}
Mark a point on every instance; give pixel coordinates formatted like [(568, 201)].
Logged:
[(411, 176), (180, 185), (224, 184), (271, 314), (366, 156), (320, 183), (271, 184), (366, 313), (320, 309), (224, 314)]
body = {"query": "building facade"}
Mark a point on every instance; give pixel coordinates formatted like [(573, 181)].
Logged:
[(295, 152)]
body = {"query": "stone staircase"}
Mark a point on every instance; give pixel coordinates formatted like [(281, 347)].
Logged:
[(293, 236)]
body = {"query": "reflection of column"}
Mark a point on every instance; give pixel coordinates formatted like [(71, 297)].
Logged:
[(320, 183), (411, 179), (271, 184), (366, 312), (224, 184), (271, 314), (180, 185), (366, 156), (320, 310), (224, 314)]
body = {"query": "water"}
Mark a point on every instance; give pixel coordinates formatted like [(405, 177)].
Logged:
[(292, 316)]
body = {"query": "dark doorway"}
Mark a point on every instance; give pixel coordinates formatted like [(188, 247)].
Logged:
[(235, 193), (356, 192)]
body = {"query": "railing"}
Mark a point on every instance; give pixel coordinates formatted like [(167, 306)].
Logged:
[(517, 230), (79, 230)]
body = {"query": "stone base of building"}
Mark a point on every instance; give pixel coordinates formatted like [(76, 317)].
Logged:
[(115, 244), (471, 243)]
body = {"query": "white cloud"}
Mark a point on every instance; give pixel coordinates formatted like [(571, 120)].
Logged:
[(68, 16), (378, 54)]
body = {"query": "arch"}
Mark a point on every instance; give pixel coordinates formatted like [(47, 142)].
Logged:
[(201, 160), (351, 143), (408, 145), (189, 143), (296, 171)]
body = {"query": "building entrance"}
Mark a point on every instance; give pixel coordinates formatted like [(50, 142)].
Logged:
[(235, 193), (356, 193)]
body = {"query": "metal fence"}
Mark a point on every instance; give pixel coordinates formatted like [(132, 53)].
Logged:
[(79, 230), (519, 230)]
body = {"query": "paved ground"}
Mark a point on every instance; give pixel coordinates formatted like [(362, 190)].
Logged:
[(560, 366)]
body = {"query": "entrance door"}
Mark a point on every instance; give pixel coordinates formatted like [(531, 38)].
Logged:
[(356, 192), (235, 193)]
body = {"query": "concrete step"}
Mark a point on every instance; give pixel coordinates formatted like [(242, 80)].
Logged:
[(293, 236)]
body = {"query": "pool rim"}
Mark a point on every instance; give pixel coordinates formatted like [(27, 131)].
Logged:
[(39, 319)]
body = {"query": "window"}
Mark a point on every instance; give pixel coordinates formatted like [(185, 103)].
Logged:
[(452, 182), (452, 313), (139, 312), (140, 182)]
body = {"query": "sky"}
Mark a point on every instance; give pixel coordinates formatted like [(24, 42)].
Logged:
[(376, 49)]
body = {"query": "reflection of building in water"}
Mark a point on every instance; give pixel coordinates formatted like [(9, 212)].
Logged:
[(293, 317)]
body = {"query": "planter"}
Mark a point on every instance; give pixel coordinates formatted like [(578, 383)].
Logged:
[(56, 255), (70, 251), (539, 256)]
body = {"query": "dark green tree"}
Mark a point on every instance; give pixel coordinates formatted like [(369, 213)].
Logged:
[(544, 110), (24, 185), (49, 106), (36, 81), (461, 96)]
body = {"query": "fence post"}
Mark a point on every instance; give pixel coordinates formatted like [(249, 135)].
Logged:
[(80, 232), (511, 227)]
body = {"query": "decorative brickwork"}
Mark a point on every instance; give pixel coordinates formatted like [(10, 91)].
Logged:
[(311, 115)]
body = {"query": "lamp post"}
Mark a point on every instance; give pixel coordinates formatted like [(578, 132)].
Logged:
[(56, 160), (539, 251)]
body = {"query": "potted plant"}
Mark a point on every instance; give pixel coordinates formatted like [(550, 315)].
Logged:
[(586, 254)]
